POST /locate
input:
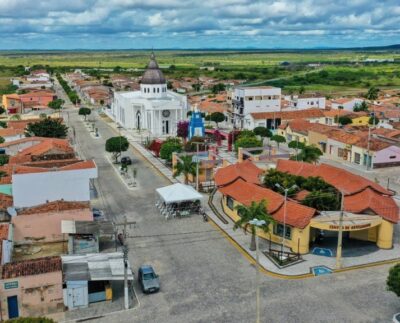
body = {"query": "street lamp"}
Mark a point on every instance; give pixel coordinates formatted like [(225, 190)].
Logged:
[(286, 190), (257, 223)]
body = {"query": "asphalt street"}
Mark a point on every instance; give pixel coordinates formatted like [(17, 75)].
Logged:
[(204, 278)]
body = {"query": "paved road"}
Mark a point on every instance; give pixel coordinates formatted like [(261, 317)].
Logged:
[(204, 278)]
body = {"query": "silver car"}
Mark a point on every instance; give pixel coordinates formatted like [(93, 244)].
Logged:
[(148, 279)]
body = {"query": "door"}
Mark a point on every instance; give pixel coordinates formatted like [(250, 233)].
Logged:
[(165, 127), (12, 302)]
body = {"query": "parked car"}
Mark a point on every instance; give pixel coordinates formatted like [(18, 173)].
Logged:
[(126, 160), (396, 318), (148, 279), (97, 213)]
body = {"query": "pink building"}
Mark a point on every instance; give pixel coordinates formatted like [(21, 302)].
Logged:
[(38, 98), (31, 288), (43, 222)]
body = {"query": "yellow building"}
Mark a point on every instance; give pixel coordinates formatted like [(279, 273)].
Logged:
[(365, 219), (12, 103)]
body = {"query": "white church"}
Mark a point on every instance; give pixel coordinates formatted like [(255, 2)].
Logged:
[(153, 108)]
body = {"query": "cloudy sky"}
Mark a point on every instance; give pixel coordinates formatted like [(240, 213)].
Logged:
[(113, 24)]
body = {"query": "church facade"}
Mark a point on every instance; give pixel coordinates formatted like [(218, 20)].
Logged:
[(154, 108)]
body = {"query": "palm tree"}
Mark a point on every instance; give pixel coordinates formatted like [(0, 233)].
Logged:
[(185, 166), (309, 154), (256, 210)]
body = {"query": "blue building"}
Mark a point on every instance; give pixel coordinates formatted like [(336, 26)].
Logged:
[(196, 125)]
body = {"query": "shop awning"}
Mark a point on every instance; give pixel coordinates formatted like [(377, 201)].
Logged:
[(329, 220), (177, 193)]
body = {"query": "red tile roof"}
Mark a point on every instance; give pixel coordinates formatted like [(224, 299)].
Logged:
[(8, 132), (31, 267), (369, 199), (245, 170), (361, 194), (341, 179), (5, 201), (55, 206), (289, 115), (297, 215), (85, 164)]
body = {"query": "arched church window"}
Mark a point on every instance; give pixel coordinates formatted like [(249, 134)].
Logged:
[(158, 90)]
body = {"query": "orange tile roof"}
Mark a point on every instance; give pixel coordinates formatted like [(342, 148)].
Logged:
[(31, 267), (335, 113), (86, 164), (54, 206), (360, 193), (5, 201), (7, 132), (297, 215), (374, 144), (4, 231), (337, 177), (388, 133), (289, 115), (38, 93), (369, 199), (345, 137), (245, 170)]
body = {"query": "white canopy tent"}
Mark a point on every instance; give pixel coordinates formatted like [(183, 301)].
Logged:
[(177, 193)]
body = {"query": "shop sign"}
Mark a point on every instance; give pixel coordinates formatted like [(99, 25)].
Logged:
[(350, 227), (11, 285)]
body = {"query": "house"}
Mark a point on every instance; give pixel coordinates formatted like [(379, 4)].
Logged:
[(248, 100), (12, 103), (302, 102), (299, 130), (10, 134), (88, 278), (33, 185), (31, 288), (272, 120), (346, 104), (42, 223), (6, 242), (339, 144), (37, 98)]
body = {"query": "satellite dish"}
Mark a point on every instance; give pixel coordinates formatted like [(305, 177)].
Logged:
[(12, 211)]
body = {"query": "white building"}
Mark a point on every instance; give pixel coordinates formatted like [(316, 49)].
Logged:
[(246, 100), (153, 108), (35, 185), (299, 102), (346, 103)]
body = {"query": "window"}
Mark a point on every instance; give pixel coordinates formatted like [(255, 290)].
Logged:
[(278, 231), (154, 90), (258, 98), (357, 158), (230, 202), (392, 157), (249, 98), (341, 152)]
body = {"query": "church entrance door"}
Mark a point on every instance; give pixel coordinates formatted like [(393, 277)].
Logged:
[(165, 127)]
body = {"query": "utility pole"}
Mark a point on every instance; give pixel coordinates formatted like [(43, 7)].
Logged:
[(340, 234), (125, 253), (197, 163), (257, 223)]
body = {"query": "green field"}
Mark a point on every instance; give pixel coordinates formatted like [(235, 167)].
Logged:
[(346, 70)]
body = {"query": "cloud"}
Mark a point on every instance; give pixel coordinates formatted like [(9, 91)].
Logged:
[(190, 23)]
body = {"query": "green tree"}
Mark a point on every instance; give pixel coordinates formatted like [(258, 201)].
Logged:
[(262, 131), (256, 210), (217, 117), (344, 120), (196, 87), (51, 128), (84, 112), (278, 139), (56, 104), (185, 166), (246, 133), (363, 106), (3, 124), (294, 144), (30, 320), (216, 88), (116, 145), (302, 90), (4, 159), (2, 110), (273, 177), (2, 140), (322, 200), (308, 154), (168, 147), (373, 120), (247, 142), (393, 280), (372, 93)]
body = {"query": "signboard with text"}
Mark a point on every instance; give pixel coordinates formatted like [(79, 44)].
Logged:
[(11, 285)]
